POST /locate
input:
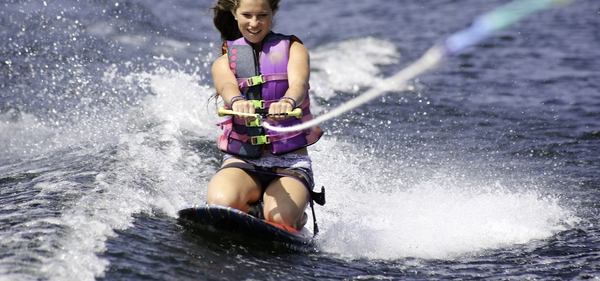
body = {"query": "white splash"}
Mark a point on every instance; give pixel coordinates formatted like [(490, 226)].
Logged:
[(150, 171), (374, 214)]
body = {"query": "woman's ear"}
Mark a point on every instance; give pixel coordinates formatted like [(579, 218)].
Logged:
[(233, 14)]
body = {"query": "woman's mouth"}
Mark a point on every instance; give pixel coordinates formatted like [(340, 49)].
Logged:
[(254, 32)]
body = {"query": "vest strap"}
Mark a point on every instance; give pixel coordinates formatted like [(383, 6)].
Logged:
[(262, 139), (260, 79)]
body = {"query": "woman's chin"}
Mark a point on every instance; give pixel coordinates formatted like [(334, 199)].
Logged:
[(254, 38)]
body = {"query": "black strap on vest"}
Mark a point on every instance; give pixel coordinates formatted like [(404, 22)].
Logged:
[(248, 65)]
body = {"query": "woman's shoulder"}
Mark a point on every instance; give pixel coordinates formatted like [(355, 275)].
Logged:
[(291, 37), (295, 44), (294, 38), (220, 62)]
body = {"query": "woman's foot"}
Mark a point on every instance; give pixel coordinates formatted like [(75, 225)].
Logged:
[(302, 221)]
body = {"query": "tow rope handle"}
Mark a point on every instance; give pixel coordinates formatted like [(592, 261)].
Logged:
[(297, 112)]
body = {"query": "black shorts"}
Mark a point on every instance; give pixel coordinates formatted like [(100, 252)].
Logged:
[(265, 175)]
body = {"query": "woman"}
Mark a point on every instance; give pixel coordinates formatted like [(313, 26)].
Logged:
[(266, 73)]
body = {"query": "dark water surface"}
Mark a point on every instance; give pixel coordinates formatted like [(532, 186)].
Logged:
[(486, 169)]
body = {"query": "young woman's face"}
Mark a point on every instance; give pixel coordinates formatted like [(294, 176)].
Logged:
[(254, 18)]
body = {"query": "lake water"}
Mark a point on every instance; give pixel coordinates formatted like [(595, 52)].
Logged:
[(487, 168)]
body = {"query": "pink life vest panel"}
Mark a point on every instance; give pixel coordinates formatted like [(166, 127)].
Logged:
[(262, 76)]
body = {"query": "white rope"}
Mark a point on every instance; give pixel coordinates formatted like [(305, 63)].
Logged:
[(397, 82), (482, 27)]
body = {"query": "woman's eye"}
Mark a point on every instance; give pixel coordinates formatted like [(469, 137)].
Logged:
[(258, 16)]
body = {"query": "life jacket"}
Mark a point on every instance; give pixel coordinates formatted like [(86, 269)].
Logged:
[(262, 79)]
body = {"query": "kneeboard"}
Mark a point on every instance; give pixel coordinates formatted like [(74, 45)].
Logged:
[(233, 221)]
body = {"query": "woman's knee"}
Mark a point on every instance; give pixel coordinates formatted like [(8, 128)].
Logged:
[(223, 197)]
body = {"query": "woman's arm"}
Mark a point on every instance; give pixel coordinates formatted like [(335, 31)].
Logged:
[(227, 87), (298, 77)]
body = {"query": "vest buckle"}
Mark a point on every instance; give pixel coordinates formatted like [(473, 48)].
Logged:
[(255, 80), (258, 104), (260, 140), (257, 122)]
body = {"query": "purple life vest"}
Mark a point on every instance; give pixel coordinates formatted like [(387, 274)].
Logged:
[(262, 78)]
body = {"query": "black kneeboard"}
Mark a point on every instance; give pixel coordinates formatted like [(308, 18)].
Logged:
[(218, 219)]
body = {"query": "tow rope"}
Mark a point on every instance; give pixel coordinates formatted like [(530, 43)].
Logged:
[(483, 27)]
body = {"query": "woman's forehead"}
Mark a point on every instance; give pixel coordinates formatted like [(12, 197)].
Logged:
[(254, 5)]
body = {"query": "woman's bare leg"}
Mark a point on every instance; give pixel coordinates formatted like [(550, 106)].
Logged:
[(233, 187), (285, 200)]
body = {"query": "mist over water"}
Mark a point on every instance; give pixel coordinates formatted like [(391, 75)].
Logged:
[(107, 130)]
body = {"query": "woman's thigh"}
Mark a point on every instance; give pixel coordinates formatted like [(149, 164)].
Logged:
[(233, 187)]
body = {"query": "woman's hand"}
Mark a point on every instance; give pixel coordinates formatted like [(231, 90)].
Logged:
[(278, 110), (243, 106)]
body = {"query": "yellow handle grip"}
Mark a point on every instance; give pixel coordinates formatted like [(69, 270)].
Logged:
[(297, 112), (224, 112)]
